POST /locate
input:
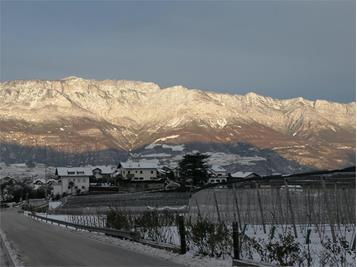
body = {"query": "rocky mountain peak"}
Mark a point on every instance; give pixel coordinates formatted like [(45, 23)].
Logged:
[(128, 114), (72, 78)]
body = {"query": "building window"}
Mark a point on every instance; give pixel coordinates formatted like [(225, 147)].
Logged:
[(83, 187), (141, 178), (128, 172), (152, 172), (141, 172), (80, 172), (136, 171), (70, 172)]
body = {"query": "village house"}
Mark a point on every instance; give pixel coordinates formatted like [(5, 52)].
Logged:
[(72, 180), (100, 172), (136, 171), (217, 175), (217, 180), (217, 171), (102, 175), (241, 175)]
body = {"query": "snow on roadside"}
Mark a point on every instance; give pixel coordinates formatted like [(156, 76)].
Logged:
[(188, 259)]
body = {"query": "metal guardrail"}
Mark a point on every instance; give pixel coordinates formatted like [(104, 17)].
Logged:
[(245, 263), (130, 235)]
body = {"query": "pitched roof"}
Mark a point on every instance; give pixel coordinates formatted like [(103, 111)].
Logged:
[(74, 171), (242, 174), (106, 169), (217, 168), (139, 165)]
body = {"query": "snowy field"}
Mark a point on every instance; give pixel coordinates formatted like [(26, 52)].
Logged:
[(21, 171), (314, 249)]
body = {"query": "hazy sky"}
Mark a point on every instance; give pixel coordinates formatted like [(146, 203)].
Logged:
[(281, 49)]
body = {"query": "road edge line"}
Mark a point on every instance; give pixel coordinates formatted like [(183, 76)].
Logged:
[(10, 252)]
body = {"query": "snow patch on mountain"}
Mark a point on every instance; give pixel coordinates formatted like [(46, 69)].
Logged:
[(166, 138), (144, 113), (224, 159), (156, 155)]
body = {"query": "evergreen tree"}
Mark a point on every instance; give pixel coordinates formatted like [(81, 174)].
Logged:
[(194, 167)]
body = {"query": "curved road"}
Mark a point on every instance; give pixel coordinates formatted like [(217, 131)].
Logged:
[(41, 244)]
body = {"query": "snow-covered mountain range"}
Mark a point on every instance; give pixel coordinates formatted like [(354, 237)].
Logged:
[(75, 115)]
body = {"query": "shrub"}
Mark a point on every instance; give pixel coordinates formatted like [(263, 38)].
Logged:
[(285, 251), (210, 238), (118, 220), (155, 226), (335, 254)]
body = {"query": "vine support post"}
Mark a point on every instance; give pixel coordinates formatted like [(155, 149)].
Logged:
[(236, 244), (328, 209), (237, 205), (260, 207), (182, 233), (217, 207), (290, 207)]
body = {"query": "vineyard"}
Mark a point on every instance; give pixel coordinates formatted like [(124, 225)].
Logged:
[(299, 226)]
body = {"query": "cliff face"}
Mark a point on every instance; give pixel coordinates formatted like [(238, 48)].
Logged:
[(77, 115)]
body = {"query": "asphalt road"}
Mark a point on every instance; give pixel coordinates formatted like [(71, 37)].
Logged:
[(41, 244)]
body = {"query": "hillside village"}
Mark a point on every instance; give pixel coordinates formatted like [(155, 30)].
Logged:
[(129, 176), (133, 175)]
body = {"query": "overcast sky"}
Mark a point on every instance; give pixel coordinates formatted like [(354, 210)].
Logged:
[(281, 49)]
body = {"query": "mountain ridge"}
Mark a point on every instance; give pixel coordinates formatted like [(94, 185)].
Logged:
[(251, 93), (75, 113)]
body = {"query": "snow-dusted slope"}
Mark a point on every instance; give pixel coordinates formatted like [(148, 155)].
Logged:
[(75, 114)]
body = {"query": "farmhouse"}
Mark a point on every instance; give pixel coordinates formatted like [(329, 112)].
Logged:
[(72, 180), (138, 171), (217, 180), (241, 176), (217, 171), (103, 171)]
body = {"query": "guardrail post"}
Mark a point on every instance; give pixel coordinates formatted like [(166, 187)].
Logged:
[(235, 240), (182, 232)]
